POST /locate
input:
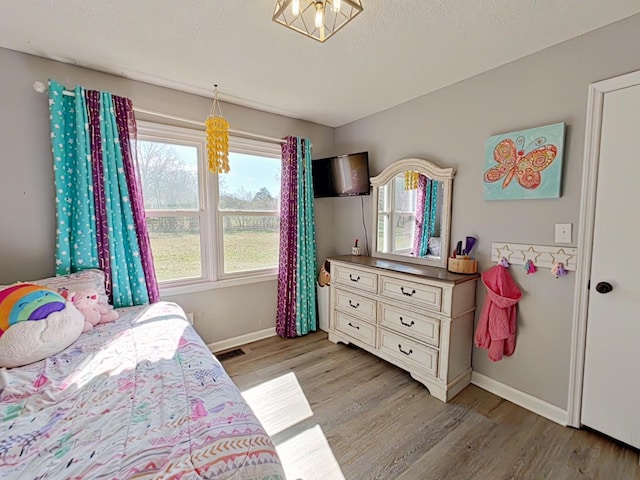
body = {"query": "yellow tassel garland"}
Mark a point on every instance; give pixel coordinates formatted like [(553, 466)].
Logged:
[(410, 180), (218, 144)]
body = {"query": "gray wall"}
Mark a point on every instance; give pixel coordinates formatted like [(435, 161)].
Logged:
[(27, 213), (450, 127)]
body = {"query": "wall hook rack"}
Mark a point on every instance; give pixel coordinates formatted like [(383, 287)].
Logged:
[(540, 255)]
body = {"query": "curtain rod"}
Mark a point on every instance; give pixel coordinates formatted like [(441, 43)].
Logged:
[(40, 87)]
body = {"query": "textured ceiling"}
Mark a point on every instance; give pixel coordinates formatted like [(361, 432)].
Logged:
[(391, 53)]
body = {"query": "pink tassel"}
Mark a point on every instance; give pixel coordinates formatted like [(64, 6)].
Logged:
[(529, 267)]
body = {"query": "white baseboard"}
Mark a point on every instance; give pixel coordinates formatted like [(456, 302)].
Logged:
[(242, 339), (540, 407)]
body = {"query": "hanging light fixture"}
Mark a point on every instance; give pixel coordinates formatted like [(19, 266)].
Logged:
[(217, 138), (318, 19)]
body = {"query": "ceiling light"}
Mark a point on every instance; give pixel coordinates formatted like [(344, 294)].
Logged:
[(319, 15), (318, 19)]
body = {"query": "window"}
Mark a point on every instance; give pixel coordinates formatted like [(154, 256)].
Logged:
[(396, 217), (206, 227), (175, 204), (249, 199)]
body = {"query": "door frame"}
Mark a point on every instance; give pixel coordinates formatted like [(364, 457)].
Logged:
[(597, 92)]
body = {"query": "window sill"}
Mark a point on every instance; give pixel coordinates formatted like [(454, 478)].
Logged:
[(208, 285)]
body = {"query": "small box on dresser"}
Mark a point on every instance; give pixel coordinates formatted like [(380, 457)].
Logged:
[(417, 317)]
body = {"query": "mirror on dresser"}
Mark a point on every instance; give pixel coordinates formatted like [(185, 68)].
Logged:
[(412, 212)]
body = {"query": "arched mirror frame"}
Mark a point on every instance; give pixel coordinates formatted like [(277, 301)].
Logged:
[(434, 172)]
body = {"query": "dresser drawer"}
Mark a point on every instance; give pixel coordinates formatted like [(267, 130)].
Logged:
[(410, 323), (355, 278), (355, 328), (409, 352), (411, 292), (356, 305)]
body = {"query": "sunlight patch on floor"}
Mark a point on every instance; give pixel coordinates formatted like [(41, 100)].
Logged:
[(308, 456), (279, 403)]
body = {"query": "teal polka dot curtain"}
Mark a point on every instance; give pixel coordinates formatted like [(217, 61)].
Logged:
[(426, 210), (296, 314), (99, 205)]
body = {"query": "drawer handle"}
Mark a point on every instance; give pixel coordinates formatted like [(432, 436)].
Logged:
[(400, 348), (357, 327), (407, 293), (352, 305), (357, 279), (407, 324)]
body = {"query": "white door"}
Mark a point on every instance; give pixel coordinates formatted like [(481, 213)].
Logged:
[(611, 390)]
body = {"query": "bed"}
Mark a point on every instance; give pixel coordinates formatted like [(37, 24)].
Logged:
[(138, 398)]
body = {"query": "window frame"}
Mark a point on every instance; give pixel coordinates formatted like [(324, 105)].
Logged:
[(390, 216), (247, 147), (211, 217)]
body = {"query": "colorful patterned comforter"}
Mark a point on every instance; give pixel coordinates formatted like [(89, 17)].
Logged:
[(139, 398)]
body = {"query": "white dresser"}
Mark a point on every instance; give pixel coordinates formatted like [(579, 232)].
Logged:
[(416, 317)]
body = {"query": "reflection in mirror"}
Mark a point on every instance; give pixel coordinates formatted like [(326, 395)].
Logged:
[(409, 216), (412, 213)]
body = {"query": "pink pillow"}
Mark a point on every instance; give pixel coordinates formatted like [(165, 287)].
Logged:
[(90, 279)]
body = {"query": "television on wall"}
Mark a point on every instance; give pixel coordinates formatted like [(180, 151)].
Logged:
[(341, 176)]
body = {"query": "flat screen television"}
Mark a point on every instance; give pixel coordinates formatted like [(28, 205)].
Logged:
[(341, 176)]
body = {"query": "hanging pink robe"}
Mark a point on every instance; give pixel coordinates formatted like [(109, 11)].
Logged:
[(496, 331)]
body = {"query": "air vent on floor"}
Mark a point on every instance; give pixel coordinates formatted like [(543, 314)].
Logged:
[(230, 354)]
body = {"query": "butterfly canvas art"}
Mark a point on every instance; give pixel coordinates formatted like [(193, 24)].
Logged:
[(526, 164)]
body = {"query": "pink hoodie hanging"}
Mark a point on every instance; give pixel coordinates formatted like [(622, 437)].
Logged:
[(496, 331)]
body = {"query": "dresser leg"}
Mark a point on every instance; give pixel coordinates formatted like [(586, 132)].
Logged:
[(435, 390), (444, 393), (336, 338)]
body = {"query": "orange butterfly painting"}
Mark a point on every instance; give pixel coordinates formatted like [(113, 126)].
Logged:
[(515, 163)]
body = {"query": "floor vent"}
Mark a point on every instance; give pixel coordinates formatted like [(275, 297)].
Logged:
[(230, 354)]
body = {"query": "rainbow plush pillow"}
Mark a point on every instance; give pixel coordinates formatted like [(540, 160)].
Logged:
[(35, 322), (25, 301)]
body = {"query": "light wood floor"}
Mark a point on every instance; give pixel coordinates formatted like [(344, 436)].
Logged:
[(337, 412)]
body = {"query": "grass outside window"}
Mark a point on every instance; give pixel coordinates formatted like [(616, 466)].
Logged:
[(178, 255)]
